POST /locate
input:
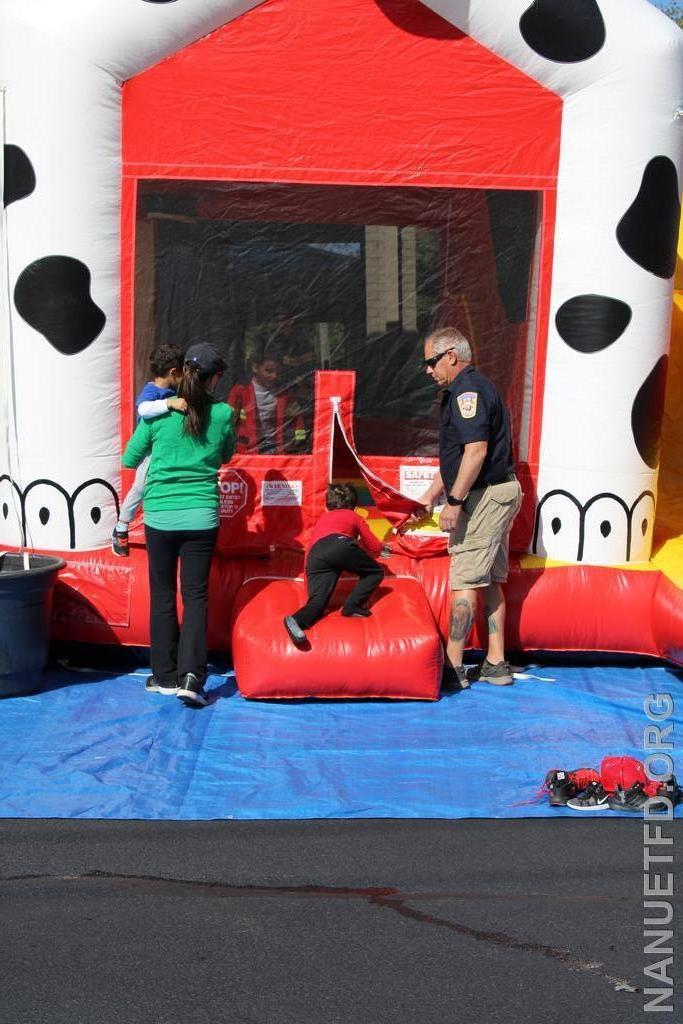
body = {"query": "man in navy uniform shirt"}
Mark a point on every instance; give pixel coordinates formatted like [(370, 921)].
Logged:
[(476, 474)]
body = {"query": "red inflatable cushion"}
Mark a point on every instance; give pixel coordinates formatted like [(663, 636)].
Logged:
[(396, 652)]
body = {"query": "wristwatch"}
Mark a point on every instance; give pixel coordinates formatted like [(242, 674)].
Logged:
[(455, 501)]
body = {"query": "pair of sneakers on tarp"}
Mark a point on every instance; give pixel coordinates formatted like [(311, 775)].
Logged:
[(622, 784)]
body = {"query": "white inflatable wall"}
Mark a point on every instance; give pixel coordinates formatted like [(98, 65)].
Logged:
[(617, 65), (62, 68)]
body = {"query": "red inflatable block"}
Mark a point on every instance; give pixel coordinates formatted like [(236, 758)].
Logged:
[(396, 652), (667, 619)]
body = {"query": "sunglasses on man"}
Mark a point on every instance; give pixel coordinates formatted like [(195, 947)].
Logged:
[(433, 360)]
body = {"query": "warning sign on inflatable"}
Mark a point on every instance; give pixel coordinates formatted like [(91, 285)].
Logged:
[(282, 492)]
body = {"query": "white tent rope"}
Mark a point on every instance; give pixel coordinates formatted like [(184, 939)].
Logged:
[(8, 388)]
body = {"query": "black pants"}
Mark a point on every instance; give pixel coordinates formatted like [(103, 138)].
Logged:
[(176, 649), (326, 561)]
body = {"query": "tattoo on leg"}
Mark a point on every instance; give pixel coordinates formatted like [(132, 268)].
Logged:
[(461, 619), (493, 625)]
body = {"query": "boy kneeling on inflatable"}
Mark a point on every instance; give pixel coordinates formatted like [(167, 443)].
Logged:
[(334, 548)]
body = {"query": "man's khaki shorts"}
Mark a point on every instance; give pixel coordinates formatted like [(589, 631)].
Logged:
[(479, 544)]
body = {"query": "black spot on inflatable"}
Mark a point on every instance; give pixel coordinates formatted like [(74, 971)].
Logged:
[(53, 296), (5, 510), (605, 527), (566, 31), (643, 526), (158, 1), (413, 17), (20, 178), (648, 231), (556, 525), (95, 514), (647, 412), (589, 323), (44, 515)]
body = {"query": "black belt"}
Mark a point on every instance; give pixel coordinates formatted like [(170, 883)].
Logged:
[(510, 478)]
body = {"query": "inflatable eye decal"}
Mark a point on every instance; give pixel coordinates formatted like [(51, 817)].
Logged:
[(642, 527), (605, 529), (95, 507), (47, 514), (11, 512), (558, 516), (52, 518)]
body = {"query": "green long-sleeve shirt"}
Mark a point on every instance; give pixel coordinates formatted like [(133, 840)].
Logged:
[(182, 470)]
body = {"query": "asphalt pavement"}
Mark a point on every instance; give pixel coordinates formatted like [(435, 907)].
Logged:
[(322, 922)]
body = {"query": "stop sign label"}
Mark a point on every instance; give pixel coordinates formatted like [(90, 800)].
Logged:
[(232, 489)]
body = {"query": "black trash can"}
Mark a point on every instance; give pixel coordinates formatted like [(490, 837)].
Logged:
[(25, 607)]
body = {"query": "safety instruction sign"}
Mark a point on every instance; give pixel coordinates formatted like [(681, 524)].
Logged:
[(282, 492)]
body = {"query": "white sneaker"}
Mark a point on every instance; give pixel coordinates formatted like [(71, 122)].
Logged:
[(592, 799)]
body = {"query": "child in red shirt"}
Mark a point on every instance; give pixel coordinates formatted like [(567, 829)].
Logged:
[(333, 549)]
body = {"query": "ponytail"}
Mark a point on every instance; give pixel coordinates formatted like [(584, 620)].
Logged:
[(199, 400)]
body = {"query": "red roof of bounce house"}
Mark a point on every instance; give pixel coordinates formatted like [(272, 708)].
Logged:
[(358, 91)]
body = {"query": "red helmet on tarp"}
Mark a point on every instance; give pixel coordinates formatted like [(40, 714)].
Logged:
[(623, 772)]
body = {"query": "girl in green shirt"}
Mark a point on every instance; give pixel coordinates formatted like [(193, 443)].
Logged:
[(180, 508)]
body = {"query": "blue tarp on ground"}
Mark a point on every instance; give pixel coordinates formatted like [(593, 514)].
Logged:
[(96, 745)]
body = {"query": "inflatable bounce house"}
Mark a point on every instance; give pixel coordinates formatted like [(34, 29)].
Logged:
[(317, 185)]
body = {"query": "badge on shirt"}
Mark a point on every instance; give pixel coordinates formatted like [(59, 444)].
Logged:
[(467, 403)]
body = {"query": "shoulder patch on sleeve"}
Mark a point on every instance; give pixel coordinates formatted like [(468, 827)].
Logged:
[(467, 404)]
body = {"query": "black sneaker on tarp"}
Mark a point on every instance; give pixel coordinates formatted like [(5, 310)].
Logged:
[(119, 543), (153, 685), (635, 798), (632, 799), (191, 692), (296, 633), (562, 786), (594, 798), (671, 790), (497, 675)]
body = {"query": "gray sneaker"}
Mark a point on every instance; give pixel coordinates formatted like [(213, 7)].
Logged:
[(497, 675), (454, 678), (296, 633)]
